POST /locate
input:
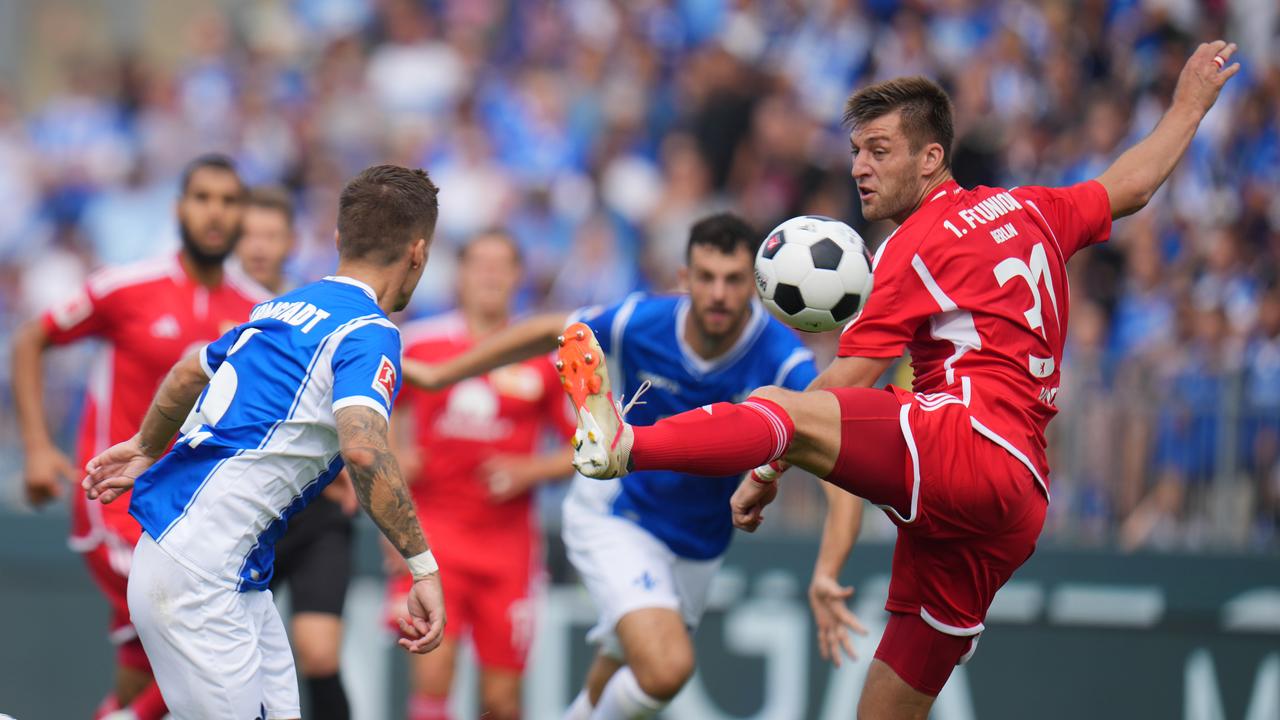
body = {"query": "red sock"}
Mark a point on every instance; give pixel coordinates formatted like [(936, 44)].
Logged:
[(429, 707), (108, 705), (715, 440), (149, 704)]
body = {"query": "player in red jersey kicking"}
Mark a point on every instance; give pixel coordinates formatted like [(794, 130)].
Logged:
[(476, 442), (973, 283), (149, 315)]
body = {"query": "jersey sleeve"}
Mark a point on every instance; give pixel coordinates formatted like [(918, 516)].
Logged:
[(85, 314), (602, 319), (366, 368), (797, 370), (215, 353), (1077, 216), (556, 408), (899, 302)]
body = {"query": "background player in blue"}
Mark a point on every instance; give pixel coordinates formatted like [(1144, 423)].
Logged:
[(275, 408), (648, 545)]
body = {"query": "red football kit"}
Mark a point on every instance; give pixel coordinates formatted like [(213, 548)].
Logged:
[(149, 314), (489, 551), (974, 285)]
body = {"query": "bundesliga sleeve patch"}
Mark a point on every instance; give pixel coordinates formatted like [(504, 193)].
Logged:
[(384, 381)]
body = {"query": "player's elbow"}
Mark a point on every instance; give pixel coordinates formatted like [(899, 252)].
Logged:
[(1138, 199), (190, 372), (29, 339), (1128, 195), (360, 459)]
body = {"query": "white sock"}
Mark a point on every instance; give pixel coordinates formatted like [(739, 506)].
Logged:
[(623, 699), (580, 708)]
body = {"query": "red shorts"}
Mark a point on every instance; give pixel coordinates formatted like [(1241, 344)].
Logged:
[(968, 512), (108, 564), (489, 596)]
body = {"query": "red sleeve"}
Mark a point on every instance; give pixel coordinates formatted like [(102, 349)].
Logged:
[(80, 316), (899, 302), (1076, 216), (556, 407)]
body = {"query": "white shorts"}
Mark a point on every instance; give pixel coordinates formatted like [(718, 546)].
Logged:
[(217, 654), (625, 568)]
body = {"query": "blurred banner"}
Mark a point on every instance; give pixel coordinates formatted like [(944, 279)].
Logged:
[(1076, 634)]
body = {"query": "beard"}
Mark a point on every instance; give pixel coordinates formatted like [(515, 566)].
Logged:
[(199, 255), (889, 206), (735, 324)]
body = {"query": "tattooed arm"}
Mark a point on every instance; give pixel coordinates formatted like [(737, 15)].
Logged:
[(366, 449)]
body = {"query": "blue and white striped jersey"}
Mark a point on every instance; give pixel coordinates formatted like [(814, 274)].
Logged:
[(261, 441), (643, 337)]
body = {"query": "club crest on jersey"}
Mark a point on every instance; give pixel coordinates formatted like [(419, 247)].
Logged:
[(384, 381)]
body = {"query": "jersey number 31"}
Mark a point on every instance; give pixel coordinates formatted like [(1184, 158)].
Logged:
[(1034, 273)]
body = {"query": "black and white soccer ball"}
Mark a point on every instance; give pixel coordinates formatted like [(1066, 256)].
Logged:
[(813, 273)]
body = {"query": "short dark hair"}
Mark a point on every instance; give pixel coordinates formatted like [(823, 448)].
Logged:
[(725, 232), (925, 108), (384, 209), (500, 234), (272, 197), (217, 161)]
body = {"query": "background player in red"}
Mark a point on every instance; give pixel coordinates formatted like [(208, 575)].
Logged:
[(476, 446), (973, 283), (149, 315)]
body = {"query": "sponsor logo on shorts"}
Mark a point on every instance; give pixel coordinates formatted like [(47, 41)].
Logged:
[(645, 581)]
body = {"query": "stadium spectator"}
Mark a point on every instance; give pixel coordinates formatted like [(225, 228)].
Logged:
[(650, 114)]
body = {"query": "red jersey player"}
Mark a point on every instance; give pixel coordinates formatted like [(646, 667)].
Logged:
[(476, 442), (973, 283), (149, 314)]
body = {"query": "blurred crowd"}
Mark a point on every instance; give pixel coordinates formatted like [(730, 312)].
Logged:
[(598, 130)]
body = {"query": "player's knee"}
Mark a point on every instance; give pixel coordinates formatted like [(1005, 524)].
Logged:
[(774, 394), (316, 661), (663, 679), (500, 704)]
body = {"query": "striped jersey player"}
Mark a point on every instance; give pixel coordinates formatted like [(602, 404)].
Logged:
[(146, 315), (274, 409)]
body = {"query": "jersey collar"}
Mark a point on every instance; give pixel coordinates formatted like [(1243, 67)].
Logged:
[(701, 365), (950, 187), (354, 282)]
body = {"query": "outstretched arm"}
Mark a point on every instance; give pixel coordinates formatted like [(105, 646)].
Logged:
[(46, 468), (827, 597), (1136, 175), (112, 473), (528, 338), (366, 450), (510, 476)]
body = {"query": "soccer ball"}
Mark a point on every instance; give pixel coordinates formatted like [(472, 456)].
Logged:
[(813, 273)]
